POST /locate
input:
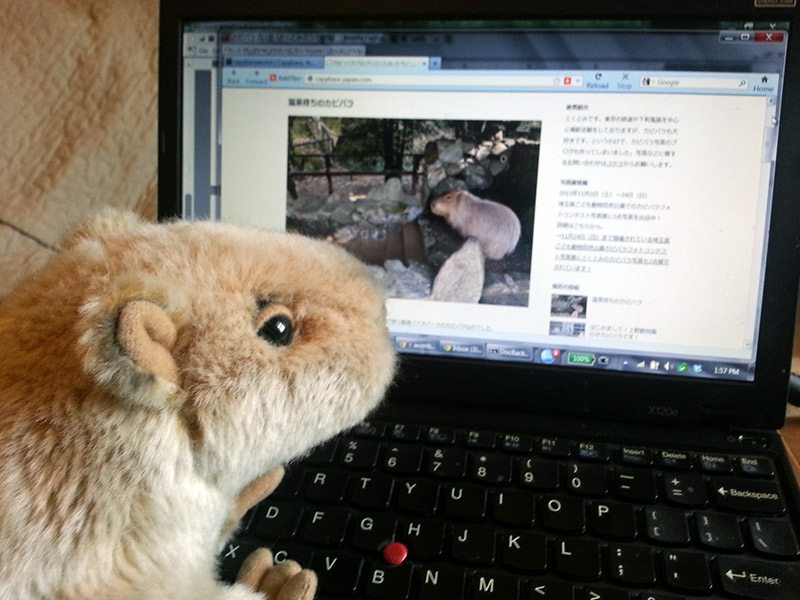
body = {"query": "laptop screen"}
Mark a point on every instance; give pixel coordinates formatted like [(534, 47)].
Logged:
[(567, 194)]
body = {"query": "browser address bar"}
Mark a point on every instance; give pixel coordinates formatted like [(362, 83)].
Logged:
[(683, 83), (440, 80)]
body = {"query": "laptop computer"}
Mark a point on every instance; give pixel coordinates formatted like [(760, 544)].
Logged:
[(586, 215)]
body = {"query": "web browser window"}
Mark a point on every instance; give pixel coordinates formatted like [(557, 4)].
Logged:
[(532, 192)]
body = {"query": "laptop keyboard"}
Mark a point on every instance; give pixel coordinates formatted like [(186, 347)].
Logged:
[(394, 511)]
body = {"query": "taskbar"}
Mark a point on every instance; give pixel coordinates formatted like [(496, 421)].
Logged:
[(573, 357)]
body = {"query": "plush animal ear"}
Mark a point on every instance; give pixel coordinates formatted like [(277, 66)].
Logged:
[(146, 335), (127, 340)]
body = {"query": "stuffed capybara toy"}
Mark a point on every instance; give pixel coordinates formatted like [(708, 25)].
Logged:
[(153, 380)]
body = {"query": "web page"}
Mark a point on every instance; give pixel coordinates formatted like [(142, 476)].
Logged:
[(601, 218)]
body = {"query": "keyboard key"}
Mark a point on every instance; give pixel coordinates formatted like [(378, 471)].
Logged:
[(550, 590), (514, 508), (613, 520), (563, 514), (418, 497), (758, 580), (371, 533), (756, 467), (440, 582), (631, 565), (773, 537), (403, 459), (405, 433), (492, 469), (465, 503), (524, 552), (327, 487), (577, 559), (666, 526), (441, 436), (326, 527), (686, 571), (636, 457), (447, 463), (674, 460), (587, 479), (601, 593), (473, 545), (424, 539), (388, 583), (489, 586), (685, 489), (359, 454), (276, 520), (289, 487), (592, 451), (746, 496), (480, 440), (539, 474), (372, 492), (233, 555), (370, 429), (715, 463), (321, 455), (282, 552), (635, 485), (719, 532), (554, 447), (337, 575), (522, 444)]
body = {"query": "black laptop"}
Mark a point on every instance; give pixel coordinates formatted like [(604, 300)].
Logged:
[(586, 216)]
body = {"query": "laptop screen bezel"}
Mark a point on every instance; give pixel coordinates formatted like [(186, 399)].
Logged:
[(630, 396)]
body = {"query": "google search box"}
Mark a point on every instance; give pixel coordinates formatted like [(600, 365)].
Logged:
[(696, 83), (442, 80)]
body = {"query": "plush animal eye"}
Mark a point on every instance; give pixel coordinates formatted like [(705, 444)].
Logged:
[(277, 330)]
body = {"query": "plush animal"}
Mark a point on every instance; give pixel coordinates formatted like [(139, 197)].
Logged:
[(152, 378)]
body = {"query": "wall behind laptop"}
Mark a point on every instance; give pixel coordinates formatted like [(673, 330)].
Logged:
[(78, 110)]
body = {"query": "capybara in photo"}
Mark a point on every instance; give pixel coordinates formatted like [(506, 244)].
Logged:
[(495, 226)]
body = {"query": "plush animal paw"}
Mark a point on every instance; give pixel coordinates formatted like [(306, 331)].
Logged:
[(252, 494), (284, 581), (258, 489)]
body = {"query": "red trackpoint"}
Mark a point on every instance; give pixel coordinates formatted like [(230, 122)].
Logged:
[(395, 553)]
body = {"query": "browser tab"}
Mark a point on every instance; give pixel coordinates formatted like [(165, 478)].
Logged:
[(377, 63), (509, 352)]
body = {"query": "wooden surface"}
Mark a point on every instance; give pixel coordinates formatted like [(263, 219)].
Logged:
[(791, 431), (791, 437)]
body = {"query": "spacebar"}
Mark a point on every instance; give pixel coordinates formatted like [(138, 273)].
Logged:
[(759, 580)]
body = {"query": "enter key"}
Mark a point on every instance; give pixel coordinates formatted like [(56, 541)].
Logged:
[(759, 580)]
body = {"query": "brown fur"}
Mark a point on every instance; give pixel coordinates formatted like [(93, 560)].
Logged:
[(138, 404), (495, 226)]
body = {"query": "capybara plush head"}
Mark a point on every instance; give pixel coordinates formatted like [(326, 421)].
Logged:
[(494, 225), (149, 375)]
